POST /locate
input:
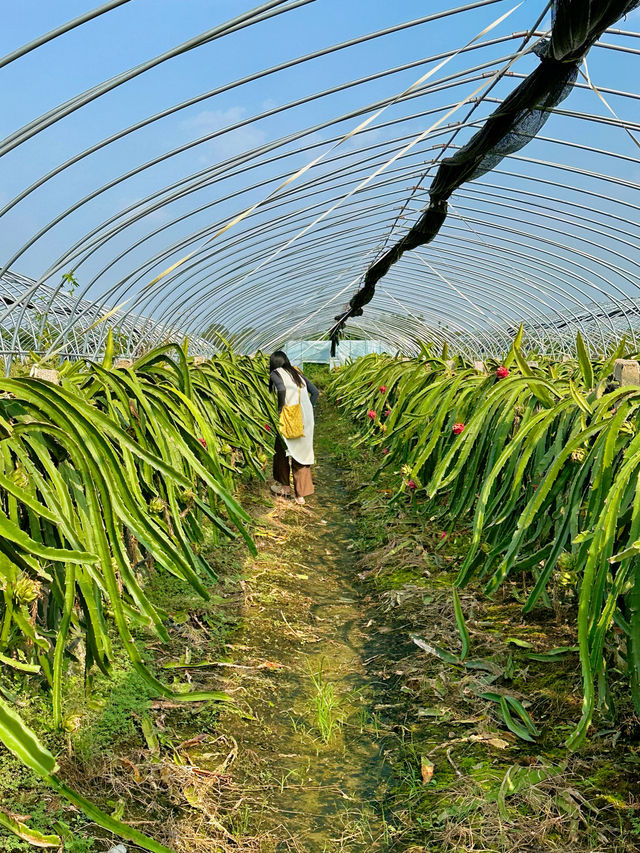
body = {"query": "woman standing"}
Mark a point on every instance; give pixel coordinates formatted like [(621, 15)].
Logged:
[(294, 456)]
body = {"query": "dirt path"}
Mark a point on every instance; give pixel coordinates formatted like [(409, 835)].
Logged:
[(308, 768)]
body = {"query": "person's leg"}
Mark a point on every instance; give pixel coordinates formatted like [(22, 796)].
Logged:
[(302, 482), (281, 467)]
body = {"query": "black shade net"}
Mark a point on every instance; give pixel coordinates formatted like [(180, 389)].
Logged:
[(576, 26)]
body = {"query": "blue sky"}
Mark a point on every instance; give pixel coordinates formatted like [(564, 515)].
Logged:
[(143, 29)]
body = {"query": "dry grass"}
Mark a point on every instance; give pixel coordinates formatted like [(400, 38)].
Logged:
[(580, 809), (188, 800)]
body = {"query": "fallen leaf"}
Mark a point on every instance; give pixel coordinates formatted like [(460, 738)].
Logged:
[(433, 712), (19, 817), (492, 740), (426, 768), (137, 778), (193, 741), (523, 644)]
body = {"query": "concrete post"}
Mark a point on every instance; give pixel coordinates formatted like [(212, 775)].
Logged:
[(626, 371), (45, 373)]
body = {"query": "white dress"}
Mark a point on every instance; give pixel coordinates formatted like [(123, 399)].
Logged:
[(301, 449)]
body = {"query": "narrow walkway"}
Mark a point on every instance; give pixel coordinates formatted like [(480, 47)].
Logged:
[(309, 766)]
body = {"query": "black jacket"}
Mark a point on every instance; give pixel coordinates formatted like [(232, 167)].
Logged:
[(276, 382)]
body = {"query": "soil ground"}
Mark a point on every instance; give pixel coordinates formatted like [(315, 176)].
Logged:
[(343, 734)]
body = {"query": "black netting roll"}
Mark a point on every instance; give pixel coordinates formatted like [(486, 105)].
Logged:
[(542, 90), (577, 24)]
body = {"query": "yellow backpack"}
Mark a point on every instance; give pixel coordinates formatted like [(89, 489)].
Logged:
[(291, 425)]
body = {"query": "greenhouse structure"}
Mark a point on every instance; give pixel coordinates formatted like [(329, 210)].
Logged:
[(320, 426)]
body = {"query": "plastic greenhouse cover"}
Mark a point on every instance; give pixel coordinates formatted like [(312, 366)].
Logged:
[(319, 352), (247, 180)]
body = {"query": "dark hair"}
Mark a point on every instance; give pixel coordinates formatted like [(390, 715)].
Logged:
[(281, 359)]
